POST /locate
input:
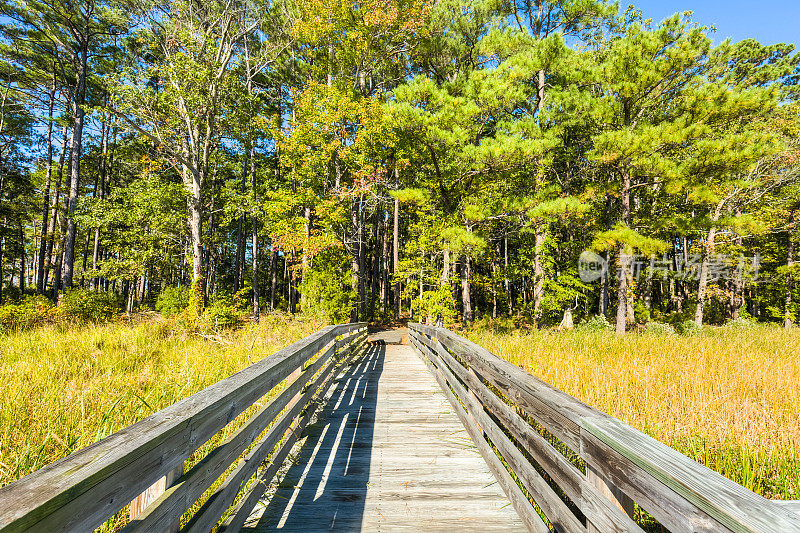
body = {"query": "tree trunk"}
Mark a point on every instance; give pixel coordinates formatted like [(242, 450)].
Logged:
[(603, 305), (466, 314), (506, 281), (256, 307), (376, 258), (306, 261), (538, 273), (624, 257), (703, 276), (362, 296), (40, 281), (194, 204), (787, 304), (75, 166), (21, 235), (385, 262), (396, 246), (273, 267)]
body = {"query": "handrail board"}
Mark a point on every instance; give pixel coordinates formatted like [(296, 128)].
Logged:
[(679, 492), (597, 508), (223, 497), (179, 498), (519, 500), (734, 506), (316, 394), (81, 490)]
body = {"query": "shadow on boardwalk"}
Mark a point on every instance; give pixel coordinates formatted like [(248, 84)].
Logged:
[(326, 487)]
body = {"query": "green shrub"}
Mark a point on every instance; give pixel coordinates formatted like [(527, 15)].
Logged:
[(688, 327), (82, 305), (32, 311), (741, 323), (222, 311), (595, 323), (173, 300), (641, 312), (658, 328)]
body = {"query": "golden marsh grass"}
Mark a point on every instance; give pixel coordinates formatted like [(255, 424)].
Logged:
[(63, 390), (729, 399)]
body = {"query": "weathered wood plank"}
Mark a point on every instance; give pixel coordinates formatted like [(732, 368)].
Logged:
[(598, 509), (608, 492), (242, 509), (518, 499), (211, 511), (793, 506), (733, 506), (370, 464), (181, 496), (670, 494), (549, 502), (80, 491), (145, 499), (557, 411)]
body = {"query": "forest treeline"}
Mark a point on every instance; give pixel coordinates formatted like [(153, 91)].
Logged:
[(452, 159)]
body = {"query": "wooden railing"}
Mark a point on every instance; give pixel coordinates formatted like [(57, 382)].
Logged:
[(82, 491), (582, 468)]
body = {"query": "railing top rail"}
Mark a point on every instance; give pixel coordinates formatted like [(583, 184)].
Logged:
[(111, 472), (600, 438)]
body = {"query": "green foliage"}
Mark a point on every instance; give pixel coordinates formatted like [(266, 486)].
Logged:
[(81, 305), (641, 312), (688, 328), (595, 323), (326, 287), (173, 300), (434, 305), (658, 328), (741, 323), (222, 311), (32, 311)]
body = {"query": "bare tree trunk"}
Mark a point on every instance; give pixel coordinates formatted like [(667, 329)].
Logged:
[(506, 282), (75, 166), (624, 257), (40, 278), (603, 306), (140, 292), (256, 306), (21, 236), (703, 276), (787, 304), (273, 267), (396, 246), (376, 261), (538, 273), (362, 297), (385, 261), (466, 315)]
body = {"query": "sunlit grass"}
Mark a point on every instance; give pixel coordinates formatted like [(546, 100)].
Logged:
[(63, 390), (729, 399)]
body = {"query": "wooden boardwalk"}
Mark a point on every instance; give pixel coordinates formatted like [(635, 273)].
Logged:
[(388, 454)]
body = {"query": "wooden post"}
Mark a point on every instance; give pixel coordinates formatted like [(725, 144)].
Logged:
[(155, 491), (611, 491)]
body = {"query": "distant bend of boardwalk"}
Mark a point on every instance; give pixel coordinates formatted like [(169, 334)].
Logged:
[(434, 434)]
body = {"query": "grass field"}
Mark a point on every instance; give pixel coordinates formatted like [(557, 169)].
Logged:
[(729, 399), (62, 390)]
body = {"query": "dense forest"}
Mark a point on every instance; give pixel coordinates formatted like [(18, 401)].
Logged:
[(366, 160)]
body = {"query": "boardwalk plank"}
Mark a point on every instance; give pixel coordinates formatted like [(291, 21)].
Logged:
[(388, 454)]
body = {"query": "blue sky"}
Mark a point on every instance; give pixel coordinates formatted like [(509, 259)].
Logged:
[(769, 21)]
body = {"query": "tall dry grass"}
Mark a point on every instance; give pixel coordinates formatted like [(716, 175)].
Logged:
[(61, 390), (729, 399)]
